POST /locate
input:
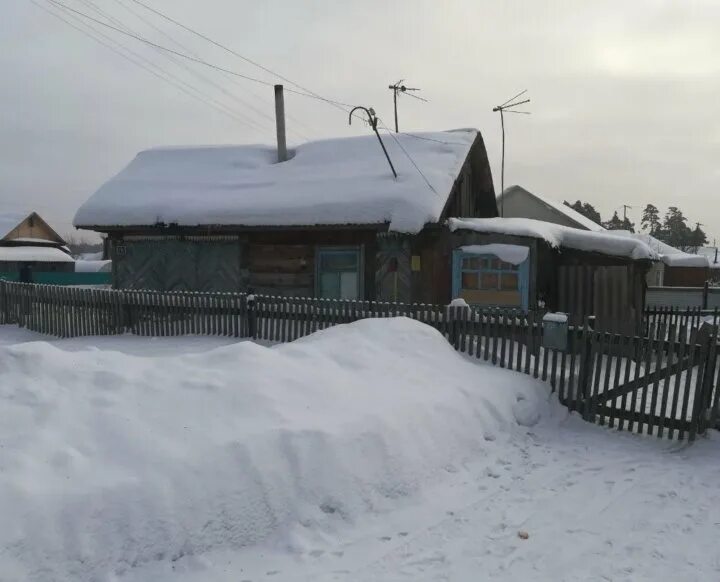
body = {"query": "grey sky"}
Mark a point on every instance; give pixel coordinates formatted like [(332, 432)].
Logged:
[(625, 95)]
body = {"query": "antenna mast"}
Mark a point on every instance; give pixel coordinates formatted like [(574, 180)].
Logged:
[(507, 107), (399, 88)]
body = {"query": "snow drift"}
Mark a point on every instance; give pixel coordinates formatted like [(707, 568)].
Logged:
[(110, 461)]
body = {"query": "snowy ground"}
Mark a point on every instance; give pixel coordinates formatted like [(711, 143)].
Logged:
[(366, 452)]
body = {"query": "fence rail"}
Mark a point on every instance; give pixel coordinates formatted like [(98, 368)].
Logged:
[(664, 383)]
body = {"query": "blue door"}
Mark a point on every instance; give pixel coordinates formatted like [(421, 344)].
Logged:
[(485, 279)]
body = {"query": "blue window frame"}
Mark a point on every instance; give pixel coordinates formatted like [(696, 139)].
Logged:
[(338, 273), (477, 276)]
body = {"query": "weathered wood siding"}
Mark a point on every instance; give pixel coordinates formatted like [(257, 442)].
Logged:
[(685, 276), (393, 273), (280, 262), (175, 264), (287, 270)]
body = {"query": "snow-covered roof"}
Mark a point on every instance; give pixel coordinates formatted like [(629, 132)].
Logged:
[(559, 236), (331, 182), (9, 220), (669, 255), (561, 207), (34, 253), (710, 253)]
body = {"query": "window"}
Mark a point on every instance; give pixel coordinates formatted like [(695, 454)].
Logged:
[(338, 273), (488, 274)]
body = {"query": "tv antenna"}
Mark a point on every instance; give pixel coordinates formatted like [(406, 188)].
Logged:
[(507, 107), (398, 88)]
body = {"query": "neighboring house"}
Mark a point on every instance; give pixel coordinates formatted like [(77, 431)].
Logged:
[(674, 268), (28, 244), (329, 222), (516, 202), (527, 263)]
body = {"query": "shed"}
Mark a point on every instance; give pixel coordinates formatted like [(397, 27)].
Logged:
[(530, 264), (329, 222), (673, 268)]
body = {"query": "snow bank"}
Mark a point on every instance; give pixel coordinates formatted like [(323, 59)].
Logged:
[(111, 461), (337, 181), (559, 236), (35, 253)]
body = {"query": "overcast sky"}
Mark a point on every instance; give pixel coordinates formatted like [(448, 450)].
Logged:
[(625, 94)]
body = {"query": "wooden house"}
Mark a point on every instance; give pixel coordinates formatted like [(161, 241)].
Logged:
[(28, 243), (331, 221)]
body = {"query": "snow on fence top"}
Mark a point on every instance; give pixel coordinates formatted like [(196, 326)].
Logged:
[(559, 236), (336, 181), (34, 253)]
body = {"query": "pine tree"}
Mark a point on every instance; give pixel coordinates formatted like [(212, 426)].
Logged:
[(674, 230), (615, 223), (698, 238), (650, 220), (586, 209)]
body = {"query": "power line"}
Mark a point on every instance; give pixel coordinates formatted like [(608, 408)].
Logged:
[(196, 60), (180, 64), (134, 60), (240, 56), (198, 74), (409, 157)]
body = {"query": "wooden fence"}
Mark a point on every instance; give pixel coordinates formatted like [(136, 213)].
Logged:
[(663, 383)]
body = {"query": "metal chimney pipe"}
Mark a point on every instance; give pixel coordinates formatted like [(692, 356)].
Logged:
[(280, 123)]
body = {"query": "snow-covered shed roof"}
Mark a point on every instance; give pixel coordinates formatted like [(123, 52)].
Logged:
[(669, 255), (34, 253), (710, 253), (329, 182), (560, 207), (558, 236)]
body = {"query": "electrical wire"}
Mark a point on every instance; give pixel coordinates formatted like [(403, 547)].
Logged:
[(199, 75), (409, 157), (233, 52), (134, 60), (191, 58), (180, 64)]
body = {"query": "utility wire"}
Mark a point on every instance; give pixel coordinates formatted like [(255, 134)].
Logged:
[(409, 157), (233, 52), (191, 58), (172, 59), (98, 37), (204, 77)]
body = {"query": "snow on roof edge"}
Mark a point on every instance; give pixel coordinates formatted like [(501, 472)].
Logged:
[(333, 182), (558, 236)]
